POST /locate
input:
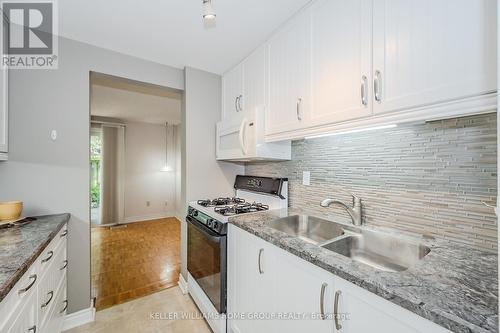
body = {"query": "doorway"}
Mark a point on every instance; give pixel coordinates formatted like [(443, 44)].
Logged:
[(134, 188)]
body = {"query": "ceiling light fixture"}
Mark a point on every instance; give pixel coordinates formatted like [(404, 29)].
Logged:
[(208, 10), (351, 131)]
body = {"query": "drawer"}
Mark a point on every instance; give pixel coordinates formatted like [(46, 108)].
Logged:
[(54, 320), (50, 282), (25, 320), (23, 290), (48, 253)]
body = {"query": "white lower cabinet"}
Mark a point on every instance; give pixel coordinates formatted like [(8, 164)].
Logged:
[(37, 303), (288, 294)]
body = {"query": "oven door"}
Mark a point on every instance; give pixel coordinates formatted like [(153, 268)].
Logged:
[(206, 261)]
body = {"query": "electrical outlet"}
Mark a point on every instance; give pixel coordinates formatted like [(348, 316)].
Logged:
[(306, 178), (148, 203)]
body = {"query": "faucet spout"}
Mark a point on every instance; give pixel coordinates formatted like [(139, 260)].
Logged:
[(354, 211)]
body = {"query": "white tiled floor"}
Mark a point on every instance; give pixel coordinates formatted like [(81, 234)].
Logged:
[(135, 316)]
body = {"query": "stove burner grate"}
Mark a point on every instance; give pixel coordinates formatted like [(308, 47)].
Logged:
[(220, 202), (241, 209)]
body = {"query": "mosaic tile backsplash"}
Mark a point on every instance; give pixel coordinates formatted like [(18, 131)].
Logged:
[(426, 178)]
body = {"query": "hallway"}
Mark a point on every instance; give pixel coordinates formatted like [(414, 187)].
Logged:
[(134, 260)]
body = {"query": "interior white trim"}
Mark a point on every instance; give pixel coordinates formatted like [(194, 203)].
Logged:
[(183, 285), (133, 219), (79, 318), (451, 109)]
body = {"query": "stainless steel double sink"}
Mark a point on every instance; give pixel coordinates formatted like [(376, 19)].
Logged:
[(379, 250)]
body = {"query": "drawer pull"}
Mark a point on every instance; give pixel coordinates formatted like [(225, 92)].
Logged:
[(64, 233), (338, 325), (51, 295), (322, 301), (64, 266), (32, 329), (51, 254), (32, 277), (65, 306), (260, 261)]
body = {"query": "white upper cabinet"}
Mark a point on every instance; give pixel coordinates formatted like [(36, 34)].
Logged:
[(244, 87), (289, 76), (340, 60), (232, 93), (432, 51), (4, 113), (254, 80)]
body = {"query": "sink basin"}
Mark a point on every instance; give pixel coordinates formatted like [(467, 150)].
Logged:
[(382, 251), (308, 228)]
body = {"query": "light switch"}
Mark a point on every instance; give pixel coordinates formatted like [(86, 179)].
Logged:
[(306, 178)]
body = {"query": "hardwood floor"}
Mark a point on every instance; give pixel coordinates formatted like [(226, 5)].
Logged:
[(134, 261)]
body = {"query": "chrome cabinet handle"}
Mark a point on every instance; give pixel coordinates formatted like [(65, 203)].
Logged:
[(65, 264), (260, 261), (32, 277), (236, 104), (64, 233), (51, 254), (364, 99), (338, 325), (65, 306), (376, 86), (51, 295), (239, 102), (32, 329), (299, 101), (322, 301)]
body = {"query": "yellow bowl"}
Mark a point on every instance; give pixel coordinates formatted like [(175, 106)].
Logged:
[(10, 210)]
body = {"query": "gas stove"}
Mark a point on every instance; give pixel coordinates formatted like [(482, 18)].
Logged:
[(207, 238)]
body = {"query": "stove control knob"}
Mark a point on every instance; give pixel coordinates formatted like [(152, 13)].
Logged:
[(210, 222), (195, 212), (215, 224)]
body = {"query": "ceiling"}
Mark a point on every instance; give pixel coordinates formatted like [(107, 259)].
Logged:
[(172, 32), (132, 101)]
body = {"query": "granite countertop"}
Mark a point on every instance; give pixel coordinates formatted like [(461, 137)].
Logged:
[(21, 245), (454, 286)]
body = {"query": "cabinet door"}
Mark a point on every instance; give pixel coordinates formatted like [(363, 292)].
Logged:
[(340, 60), (26, 320), (359, 310), (250, 282), (232, 91), (432, 51), (289, 76), (4, 93), (304, 290), (254, 80)]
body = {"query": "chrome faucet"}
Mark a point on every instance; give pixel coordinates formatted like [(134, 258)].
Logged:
[(354, 212)]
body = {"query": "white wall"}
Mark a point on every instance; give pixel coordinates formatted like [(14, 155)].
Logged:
[(53, 176), (204, 176), (144, 158)]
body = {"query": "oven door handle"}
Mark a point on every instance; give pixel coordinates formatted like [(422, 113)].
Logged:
[(204, 230)]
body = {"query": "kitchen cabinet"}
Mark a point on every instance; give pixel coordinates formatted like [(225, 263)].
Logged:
[(4, 121), (250, 284), (232, 93), (430, 51), (244, 86), (341, 72), (289, 76), (340, 65), (359, 310), (286, 285), (37, 302)]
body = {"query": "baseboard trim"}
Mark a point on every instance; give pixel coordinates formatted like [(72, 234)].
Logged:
[(78, 318), (133, 219), (183, 285)]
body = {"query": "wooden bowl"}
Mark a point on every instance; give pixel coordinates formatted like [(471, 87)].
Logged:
[(10, 210)]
